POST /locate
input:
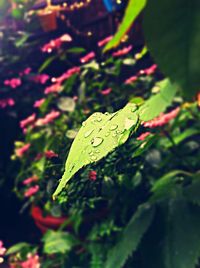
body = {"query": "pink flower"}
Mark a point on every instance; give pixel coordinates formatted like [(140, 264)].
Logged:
[(122, 51), (104, 41), (149, 70), (162, 119), (38, 103), (48, 118), (55, 88), (21, 151), (25, 71), (87, 57), (30, 180), (2, 251), (106, 91), (40, 78), (31, 191), (50, 154), (13, 83), (6, 102), (92, 175), (143, 136), (68, 74), (131, 79), (56, 43), (31, 262), (29, 120)]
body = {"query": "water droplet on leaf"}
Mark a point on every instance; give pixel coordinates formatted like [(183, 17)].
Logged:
[(88, 133), (113, 127), (96, 141)]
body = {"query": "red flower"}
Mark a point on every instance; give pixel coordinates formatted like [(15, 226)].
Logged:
[(40, 78), (105, 41), (48, 118), (6, 102), (131, 79), (38, 103), (21, 151), (30, 180), (106, 91), (92, 175), (149, 70), (162, 119), (31, 191), (87, 57), (56, 43), (143, 136), (50, 154), (122, 51), (13, 83), (29, 120)]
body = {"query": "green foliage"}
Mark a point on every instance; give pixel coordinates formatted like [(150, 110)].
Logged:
[(99, 135), (58, 242), (172, 36), (182, 245), (132, 11), (131, 237), (159, 102), (17, 247)]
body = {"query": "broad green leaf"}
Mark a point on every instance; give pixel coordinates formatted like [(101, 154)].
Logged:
[(181, 248), (131, 237), (132, 11), (58, 242), (158, 103), (99, 135), (192, 192), (172, 34)]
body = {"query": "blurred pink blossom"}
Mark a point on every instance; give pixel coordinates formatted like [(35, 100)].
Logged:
[(162, 119), (31, 191), (122, 51), (87, 57), (30, 180), (6, 102), (40, 78), (29, 120), (56, 43), (21, 151), (48, 118), (131, 79), (38, 103), (149, 70), (2, 251), (104, 41), (50, 154), (13, 83), (25, 71), (55, 88), (106, 91), (143, 136)]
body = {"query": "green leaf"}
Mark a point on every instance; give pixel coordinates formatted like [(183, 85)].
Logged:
[(158, 103), (132, 11), (99, 135), (182, 244), (47, 62), (131, 237), (172, 35), (76, 50), (17, 248), (58, 242)]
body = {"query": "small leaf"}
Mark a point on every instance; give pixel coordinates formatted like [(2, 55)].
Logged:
[(132, 11), (58, 242), (76, 50), (16, 248), (99, 135)]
